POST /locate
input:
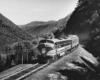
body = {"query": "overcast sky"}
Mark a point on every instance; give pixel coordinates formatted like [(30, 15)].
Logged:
[(25, 11)]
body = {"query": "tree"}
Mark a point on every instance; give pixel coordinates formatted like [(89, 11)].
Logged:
[(8, 51), (3, 58), (27, 47), (19, 51)]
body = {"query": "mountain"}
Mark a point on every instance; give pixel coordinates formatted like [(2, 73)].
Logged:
[(10, 33), (85, 22), (37, 27), (40, 27)]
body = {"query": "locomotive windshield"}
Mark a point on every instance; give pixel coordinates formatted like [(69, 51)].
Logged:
[(43, 41), (46, 41)]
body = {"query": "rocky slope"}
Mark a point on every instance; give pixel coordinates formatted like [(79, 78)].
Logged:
[(10, 33)]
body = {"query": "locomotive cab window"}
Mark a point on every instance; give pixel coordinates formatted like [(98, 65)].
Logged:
[(42, 41), (46, 41)]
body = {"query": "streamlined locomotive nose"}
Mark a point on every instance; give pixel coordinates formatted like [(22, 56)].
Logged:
[(44, 48)]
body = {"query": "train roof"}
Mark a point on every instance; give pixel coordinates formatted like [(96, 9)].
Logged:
[(70, 37)]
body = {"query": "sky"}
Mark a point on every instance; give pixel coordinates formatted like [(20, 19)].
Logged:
[(25, 11)]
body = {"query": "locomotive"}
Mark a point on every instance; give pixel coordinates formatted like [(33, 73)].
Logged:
[(52, 49)]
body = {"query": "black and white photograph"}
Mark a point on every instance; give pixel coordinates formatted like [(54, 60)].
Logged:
[(49, 39)]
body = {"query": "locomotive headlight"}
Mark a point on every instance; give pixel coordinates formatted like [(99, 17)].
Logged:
[(43, 50)]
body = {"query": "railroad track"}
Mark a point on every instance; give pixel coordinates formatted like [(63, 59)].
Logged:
[(14, 73), (20, 75), (24, 73)]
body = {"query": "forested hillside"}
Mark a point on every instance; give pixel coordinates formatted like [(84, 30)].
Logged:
[(10, 33)]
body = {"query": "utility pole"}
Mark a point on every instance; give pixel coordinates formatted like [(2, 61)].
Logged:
[(27, 54), (22, 57), (27, 46)]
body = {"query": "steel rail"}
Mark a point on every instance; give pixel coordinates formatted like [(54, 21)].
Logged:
[(14, 73), (41, 67)]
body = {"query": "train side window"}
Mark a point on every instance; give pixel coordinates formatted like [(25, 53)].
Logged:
[(48, 41), (62, 44), (68, 43), (59, 44)]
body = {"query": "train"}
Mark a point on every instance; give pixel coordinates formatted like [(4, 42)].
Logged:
[(52, 49)]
